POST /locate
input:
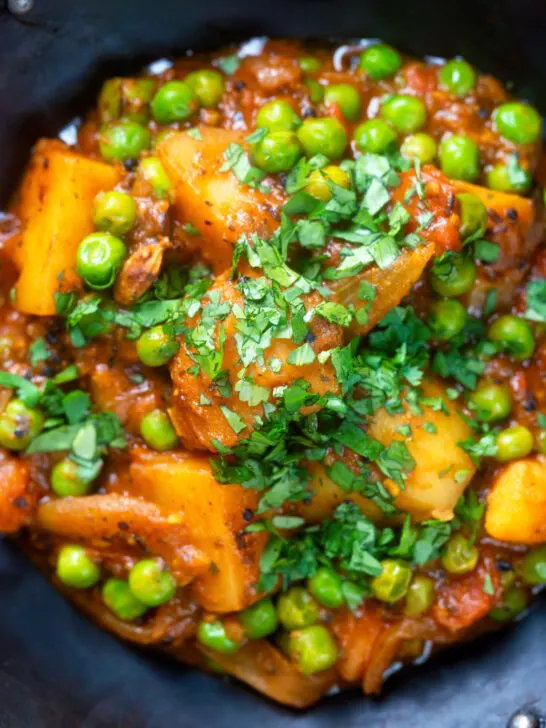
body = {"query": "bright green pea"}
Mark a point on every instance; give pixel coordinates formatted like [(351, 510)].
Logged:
[(313, 649), (514, 442), (19, 425), (260, 619), (533, 566), (541, 442), (323, 136), (114, 212), (513, 335), (446, 318), (514, 602), (458, 76), (118, 597), (518, 122), (213, 635), (99, 259), (453, 275), (316, 91), (124, 141), (155, 348), (207, 85), (150, 584), (473, 214), (326, 587), (490, 402), (157, 431), (393, 582), (459, 556), (406, 113), (66, 479), (309, 64), (459, 158), (277, 152), (277, 114), (420, 595), (374, 136), (421, 146), (346, 97), (109, 101), (151, 170), (75, 568), (174, 101), (506, 178), (297, 608), (380, 61), (125, 98)]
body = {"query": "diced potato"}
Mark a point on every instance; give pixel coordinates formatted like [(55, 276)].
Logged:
[(55, 207), (392, 285), (184, 485), (443, 469), (516, 506), (216, 203)]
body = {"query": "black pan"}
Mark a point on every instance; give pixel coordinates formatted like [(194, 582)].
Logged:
[(56, 669)]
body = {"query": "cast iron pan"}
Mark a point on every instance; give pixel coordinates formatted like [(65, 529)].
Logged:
[(56, 669)]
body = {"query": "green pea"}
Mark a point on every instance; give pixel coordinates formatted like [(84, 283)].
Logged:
[(380, 61), (459, 158), (114, 212), (309, 64), (446, 318), (458, 76), (118, 597), (277, 152), (316, 91), (393, 582), (374, 136), (541, 442), (109, 102), (157, 431), (405, 113), (473, 214), (137, 94), (66, 479), (297, 608), (346, 97), (514, 442), (150, 583), (323, 136), (313, 649), (513, 335), (326, 587), (174, 101), (277, 115), (506, 178), (453, 275), (213, 635), (421, 146), (533, 566), (75, 568), (317, 184), (514, 602), (518, 122), (491, 402), (459, 556), (420, 595), (123, 141), (99, 259), (260, 619), (151, 170), (207, 85), (19, 425), (155, 348)]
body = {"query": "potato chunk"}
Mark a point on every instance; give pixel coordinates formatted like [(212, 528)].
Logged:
[(516, 506), (442, 470), (215, 202), (55, 207), (212, 515)]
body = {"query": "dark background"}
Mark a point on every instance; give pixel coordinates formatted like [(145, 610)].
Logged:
[(56, 669)]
